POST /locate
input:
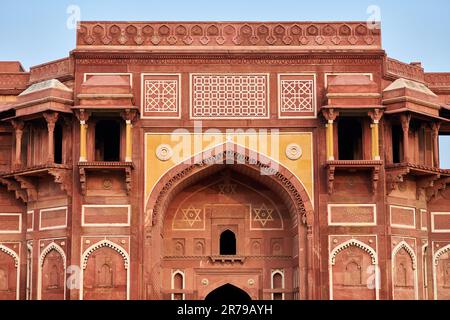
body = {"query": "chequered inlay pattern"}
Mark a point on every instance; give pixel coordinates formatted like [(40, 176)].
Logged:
[(161, 95), (297, 95), (230, 96)]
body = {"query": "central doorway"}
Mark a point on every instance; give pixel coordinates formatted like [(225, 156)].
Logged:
[(228, 292)]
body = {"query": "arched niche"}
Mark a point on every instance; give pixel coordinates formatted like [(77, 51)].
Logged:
[(105, 272), (353, 271)]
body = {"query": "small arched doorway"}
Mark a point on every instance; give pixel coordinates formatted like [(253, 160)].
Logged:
[(228, 292)]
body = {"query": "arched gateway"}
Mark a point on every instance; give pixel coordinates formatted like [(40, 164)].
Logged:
[(228, 198), (228, 292)]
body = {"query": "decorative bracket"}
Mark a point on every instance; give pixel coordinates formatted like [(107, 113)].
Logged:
[(330, 114), (331, 170), (425, 183), (82, 173), (82, 114), (128, 179), (63, 178), (438, 185), (375, 178), (30, 187), (14, 186), (129, 115), (394, 177), (376, 114)]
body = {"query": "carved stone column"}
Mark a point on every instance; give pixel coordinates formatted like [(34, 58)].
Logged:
[(330, 115), (405, 119), (310, 263), (51, 118), (375, 115), (128, 116), (435, 134), (18, 126), (83, 116)]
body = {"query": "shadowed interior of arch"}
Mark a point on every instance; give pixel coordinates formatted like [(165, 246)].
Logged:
[(228, 292)]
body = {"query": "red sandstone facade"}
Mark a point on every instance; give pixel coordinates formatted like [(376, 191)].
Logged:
[(94, 205)]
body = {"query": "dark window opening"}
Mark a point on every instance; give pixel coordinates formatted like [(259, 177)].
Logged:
[(227, 243), (58, 143), (178, 285), (277, 283), (107, 140), (350, 139), (397, 144)]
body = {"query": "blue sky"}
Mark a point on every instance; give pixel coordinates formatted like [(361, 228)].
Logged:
[(34, 32)]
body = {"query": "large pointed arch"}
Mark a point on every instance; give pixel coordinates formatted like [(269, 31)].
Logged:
[(251, 163)]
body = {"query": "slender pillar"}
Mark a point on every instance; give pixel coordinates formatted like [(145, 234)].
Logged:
[(376, 115), (435, 134), (330, 116), (83, 140), (18, 128), (128, 141), (129, 115), (51, 119), (330, 142), (405, 119), (83, 116)]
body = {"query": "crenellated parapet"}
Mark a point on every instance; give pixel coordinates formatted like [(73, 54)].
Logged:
[(318, 35)]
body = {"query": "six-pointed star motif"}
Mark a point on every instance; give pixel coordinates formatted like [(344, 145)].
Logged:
[(191, 215), (263, 214)]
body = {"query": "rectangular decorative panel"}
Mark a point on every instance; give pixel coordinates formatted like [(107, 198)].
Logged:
[(160, 96), (296, 96), (30, 220), (10, 222), (423, 219), (403, 217), (54, 218), (351, 214), (440, 222), (229, 96), (106, 215)]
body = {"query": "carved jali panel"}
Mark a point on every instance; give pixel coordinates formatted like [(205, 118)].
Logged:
[(296, 96), (229, 95), (161, 95)]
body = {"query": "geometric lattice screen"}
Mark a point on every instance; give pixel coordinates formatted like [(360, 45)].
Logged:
[(229, 96), (296, 94), (161, 95)]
